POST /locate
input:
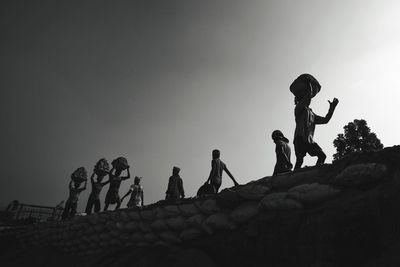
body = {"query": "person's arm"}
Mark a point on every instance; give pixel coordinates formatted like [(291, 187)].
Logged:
[(168, 188), (142, 197), (92, 178), (104, 183), (127, 194), (280, 154), (84, 187), (128, 176), (181, 191), (327, 118), (230, 175)]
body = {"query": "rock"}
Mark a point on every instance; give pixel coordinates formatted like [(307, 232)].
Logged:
[(359, 174), (253, 191), (279, 201), (312, 193), (245, 211)]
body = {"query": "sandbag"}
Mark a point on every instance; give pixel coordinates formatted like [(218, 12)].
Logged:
[(209, 206), (219, 221), (131, 226), (144, 227), (79, 175), (148, 214), (160, 213), (137, 237), (190, 233), (196, 220), (102, 167), (172, 210), (188, 209), (170, 237), (312, 193), (150, 237), (120, 163), (245, 211), (159, 225), (134, 215), (253, 191), (359, 174), (279, 201), (302, 83), (176, 223)]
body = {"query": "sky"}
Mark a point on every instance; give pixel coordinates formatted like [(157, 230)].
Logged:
[(162, 83)]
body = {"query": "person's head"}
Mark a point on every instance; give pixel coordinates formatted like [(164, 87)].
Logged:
[(277, 135), (297, 99), (216, 154), (175, 170), (100, 178), (77, 184), (137, 180), (118, 172)]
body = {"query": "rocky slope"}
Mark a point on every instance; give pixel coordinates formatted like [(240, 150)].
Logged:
[(342, 214)]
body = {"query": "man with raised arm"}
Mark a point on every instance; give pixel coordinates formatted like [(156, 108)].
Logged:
[(306, 119)]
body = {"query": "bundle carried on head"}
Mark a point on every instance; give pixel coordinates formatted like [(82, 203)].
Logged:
[(120, 164), (303, 83), (79, 175), (102, 167)]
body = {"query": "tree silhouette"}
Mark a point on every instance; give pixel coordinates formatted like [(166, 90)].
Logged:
[(357, 137)]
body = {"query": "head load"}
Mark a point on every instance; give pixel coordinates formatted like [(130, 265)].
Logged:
[(120, 164), (79, 175), (303, 83), (102, 167)]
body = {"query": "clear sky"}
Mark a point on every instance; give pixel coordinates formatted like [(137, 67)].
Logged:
[(164, 82)]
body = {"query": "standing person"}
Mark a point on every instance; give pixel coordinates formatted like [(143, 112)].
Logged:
[(217, 168), (94, 197), (112, 196), (282, 150), (72, 202), (136, 192), (306, 119), (175, 185)]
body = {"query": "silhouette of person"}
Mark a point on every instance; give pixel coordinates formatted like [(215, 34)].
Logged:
[(136, 192), (94, 197), (282, 150), (72, 202), (217, 168), (112, 196), (175, 185), (306, 120)]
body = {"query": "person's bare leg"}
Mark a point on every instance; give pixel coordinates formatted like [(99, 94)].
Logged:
[(106, 206), (321, 158), (299, 162), (118, 204)]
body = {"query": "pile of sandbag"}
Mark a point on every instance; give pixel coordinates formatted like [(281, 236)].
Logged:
[(79, 175), (102, 167), (120, 163)]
